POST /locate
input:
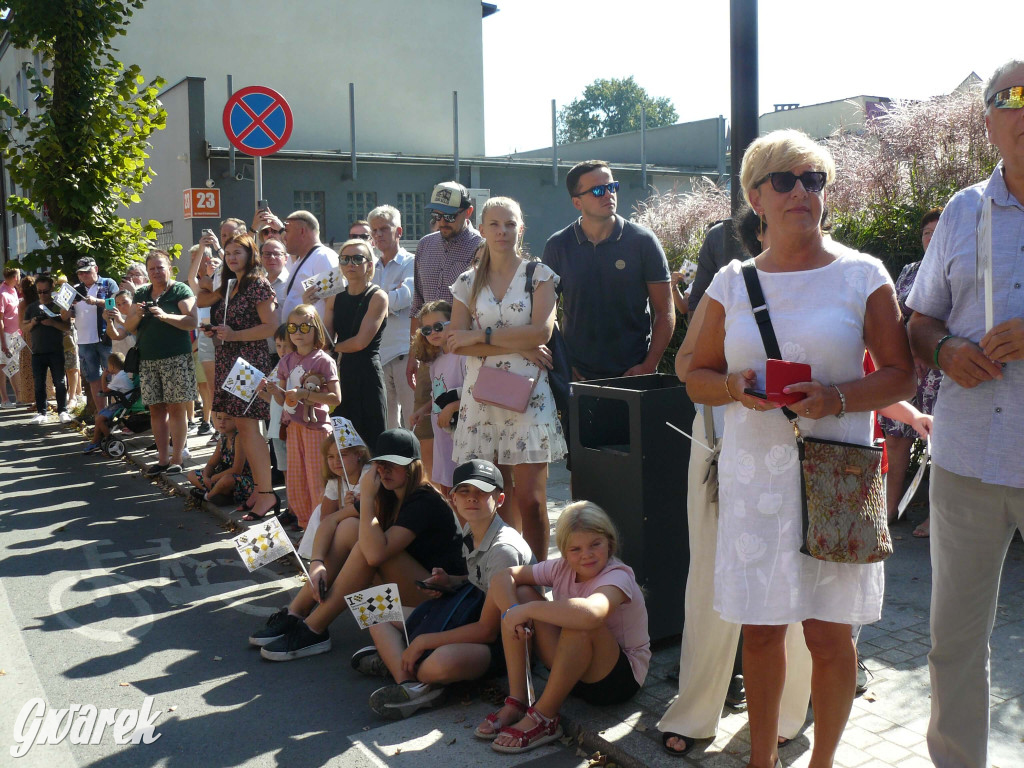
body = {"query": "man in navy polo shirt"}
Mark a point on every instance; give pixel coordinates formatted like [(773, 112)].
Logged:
[(616, 294)]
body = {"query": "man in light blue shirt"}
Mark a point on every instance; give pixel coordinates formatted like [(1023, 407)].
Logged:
[(977, 482), (394, 272)]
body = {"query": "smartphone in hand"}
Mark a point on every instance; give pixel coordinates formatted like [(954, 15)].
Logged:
[(444, 589)]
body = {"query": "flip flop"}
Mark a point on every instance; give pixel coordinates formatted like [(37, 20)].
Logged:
[(923, 530), (676, 752)]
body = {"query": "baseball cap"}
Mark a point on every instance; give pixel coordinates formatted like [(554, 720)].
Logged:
[(398, 446), (448, 197), (479, 473), (86, 262)]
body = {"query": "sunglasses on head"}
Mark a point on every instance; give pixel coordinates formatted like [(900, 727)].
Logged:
[(449, 217), (360, 236), (303, 327), (784, 181), (1008, 98), (426, 330), (357, 259), (600, 190)]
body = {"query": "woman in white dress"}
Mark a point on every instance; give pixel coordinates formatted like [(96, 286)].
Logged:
[(826, 303), (496, 323)]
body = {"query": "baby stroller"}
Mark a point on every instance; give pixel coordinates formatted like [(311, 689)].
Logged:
[(130, 415)]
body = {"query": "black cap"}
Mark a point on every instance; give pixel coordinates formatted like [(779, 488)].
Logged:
[(482, 474), (398, 446)]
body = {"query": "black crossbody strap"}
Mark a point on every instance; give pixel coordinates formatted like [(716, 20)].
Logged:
[(763, 319)]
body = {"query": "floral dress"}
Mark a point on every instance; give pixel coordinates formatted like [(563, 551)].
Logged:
[(243, 313), (493, 433), (928, 386)]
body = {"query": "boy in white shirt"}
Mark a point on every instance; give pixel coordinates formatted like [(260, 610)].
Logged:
[(120, 381)]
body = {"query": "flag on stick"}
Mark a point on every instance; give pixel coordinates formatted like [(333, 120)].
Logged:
[(376, 605), (65, 297), (327, 283), (243, 379)]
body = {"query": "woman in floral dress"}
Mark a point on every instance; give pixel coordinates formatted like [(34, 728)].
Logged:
[(496, 322)]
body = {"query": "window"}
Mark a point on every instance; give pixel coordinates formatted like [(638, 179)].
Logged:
[(414, 216), (312, 202), (360, 204), (165, 237)]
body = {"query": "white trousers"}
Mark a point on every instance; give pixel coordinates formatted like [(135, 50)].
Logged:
[(399, 393), (708, 649), (972, 524)]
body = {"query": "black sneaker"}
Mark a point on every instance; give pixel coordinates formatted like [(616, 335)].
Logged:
[(368, 662), (300, 641), (173, 469), (278, 625), (205, 428), (155, 470), (736, 696), (395, 702)]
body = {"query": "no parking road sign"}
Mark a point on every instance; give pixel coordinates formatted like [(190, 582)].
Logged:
[(257, 120)]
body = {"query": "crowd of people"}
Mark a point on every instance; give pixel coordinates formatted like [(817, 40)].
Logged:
[(411, 411)]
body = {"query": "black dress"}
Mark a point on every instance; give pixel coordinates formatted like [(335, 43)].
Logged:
[(363, 399)]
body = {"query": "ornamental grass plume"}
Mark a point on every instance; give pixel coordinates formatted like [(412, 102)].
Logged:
[(681, 219)]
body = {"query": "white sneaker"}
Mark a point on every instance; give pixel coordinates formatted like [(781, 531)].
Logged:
[(39, 418), (65, 417), (185, 455), (9, 404)]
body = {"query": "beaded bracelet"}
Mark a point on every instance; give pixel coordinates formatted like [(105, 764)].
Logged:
[(938, 346), (842, 401)]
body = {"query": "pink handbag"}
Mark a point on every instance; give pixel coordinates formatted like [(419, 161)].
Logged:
[(496, 386)]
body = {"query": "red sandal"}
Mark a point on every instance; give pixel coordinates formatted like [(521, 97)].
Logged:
[(510, 701), (545, 730)]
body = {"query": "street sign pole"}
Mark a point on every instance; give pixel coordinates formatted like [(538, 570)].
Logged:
[(257, 170)]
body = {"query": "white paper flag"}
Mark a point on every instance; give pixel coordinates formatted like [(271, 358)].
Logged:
[(15, 343), (376, 605), (262, 544), (345, 434), (12, 368), (327, 283), (65, 297), (243, 379)]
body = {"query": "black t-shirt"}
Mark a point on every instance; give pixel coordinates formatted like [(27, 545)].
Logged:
[(438, 542), (45, 338)]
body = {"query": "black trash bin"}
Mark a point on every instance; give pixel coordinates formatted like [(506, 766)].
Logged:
[(626, 459)]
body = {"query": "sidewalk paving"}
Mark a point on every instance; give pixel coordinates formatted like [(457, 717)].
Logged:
[(888, 724)]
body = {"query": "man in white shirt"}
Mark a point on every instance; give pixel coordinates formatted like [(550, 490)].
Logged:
[(92, 292), (394, 273), (309, 257)]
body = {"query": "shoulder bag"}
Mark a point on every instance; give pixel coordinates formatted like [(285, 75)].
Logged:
[(841, 484)]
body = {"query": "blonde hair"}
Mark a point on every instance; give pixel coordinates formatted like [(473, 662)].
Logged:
[(309, 312), (483, 266), (422, 349), (325, 447), (356, 242), (783, 150), (587, 517)]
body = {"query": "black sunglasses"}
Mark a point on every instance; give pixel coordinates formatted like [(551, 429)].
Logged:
[(43, 290), (353, 235), (600, 190), (784, 181), (449, 217), (426, 330), (304, 327), (1008, 98), (356, 259)]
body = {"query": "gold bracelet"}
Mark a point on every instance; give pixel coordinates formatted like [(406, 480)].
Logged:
[(729, 391)]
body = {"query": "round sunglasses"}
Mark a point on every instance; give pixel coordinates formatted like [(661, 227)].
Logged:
[(600, 190), (426, 330), (784, 181), (301, 327)]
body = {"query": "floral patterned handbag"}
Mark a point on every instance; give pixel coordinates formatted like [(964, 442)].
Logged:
[(841, 484)]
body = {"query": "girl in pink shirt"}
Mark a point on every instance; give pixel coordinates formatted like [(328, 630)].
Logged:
[(592, 635)]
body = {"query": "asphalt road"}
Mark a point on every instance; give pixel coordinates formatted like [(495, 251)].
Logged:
[(111, 592)]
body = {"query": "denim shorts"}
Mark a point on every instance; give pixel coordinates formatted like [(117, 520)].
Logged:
[(93, 360)]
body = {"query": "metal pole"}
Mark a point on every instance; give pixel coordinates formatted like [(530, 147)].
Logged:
[(643, 149), (554, 144), (257, 171), (231, 147), (352, 125), (743, 63), (455, 131)]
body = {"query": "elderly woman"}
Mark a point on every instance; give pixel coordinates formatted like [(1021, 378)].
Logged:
[(827, 303), (161, 318)]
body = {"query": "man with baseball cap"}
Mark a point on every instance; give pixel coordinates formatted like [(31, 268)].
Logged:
[(441, 257), (91, 293)]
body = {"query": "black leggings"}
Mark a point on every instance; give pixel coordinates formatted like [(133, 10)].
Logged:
[(54, 363)]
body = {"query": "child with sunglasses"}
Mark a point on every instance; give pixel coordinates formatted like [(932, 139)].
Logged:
[(447, 371), (307, 387)]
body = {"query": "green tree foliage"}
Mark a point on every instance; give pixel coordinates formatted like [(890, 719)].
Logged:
[(83, 155), (608, 107)]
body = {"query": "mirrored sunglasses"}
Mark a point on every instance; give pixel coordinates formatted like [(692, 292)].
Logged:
[(303, 327), (784, 181), (426, 330), (600, 190), (435, 216), (356, 259), (1008, 98)]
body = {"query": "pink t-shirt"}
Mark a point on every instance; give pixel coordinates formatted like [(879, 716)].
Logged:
[(627, 623), (9, 308), (294, 371)]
